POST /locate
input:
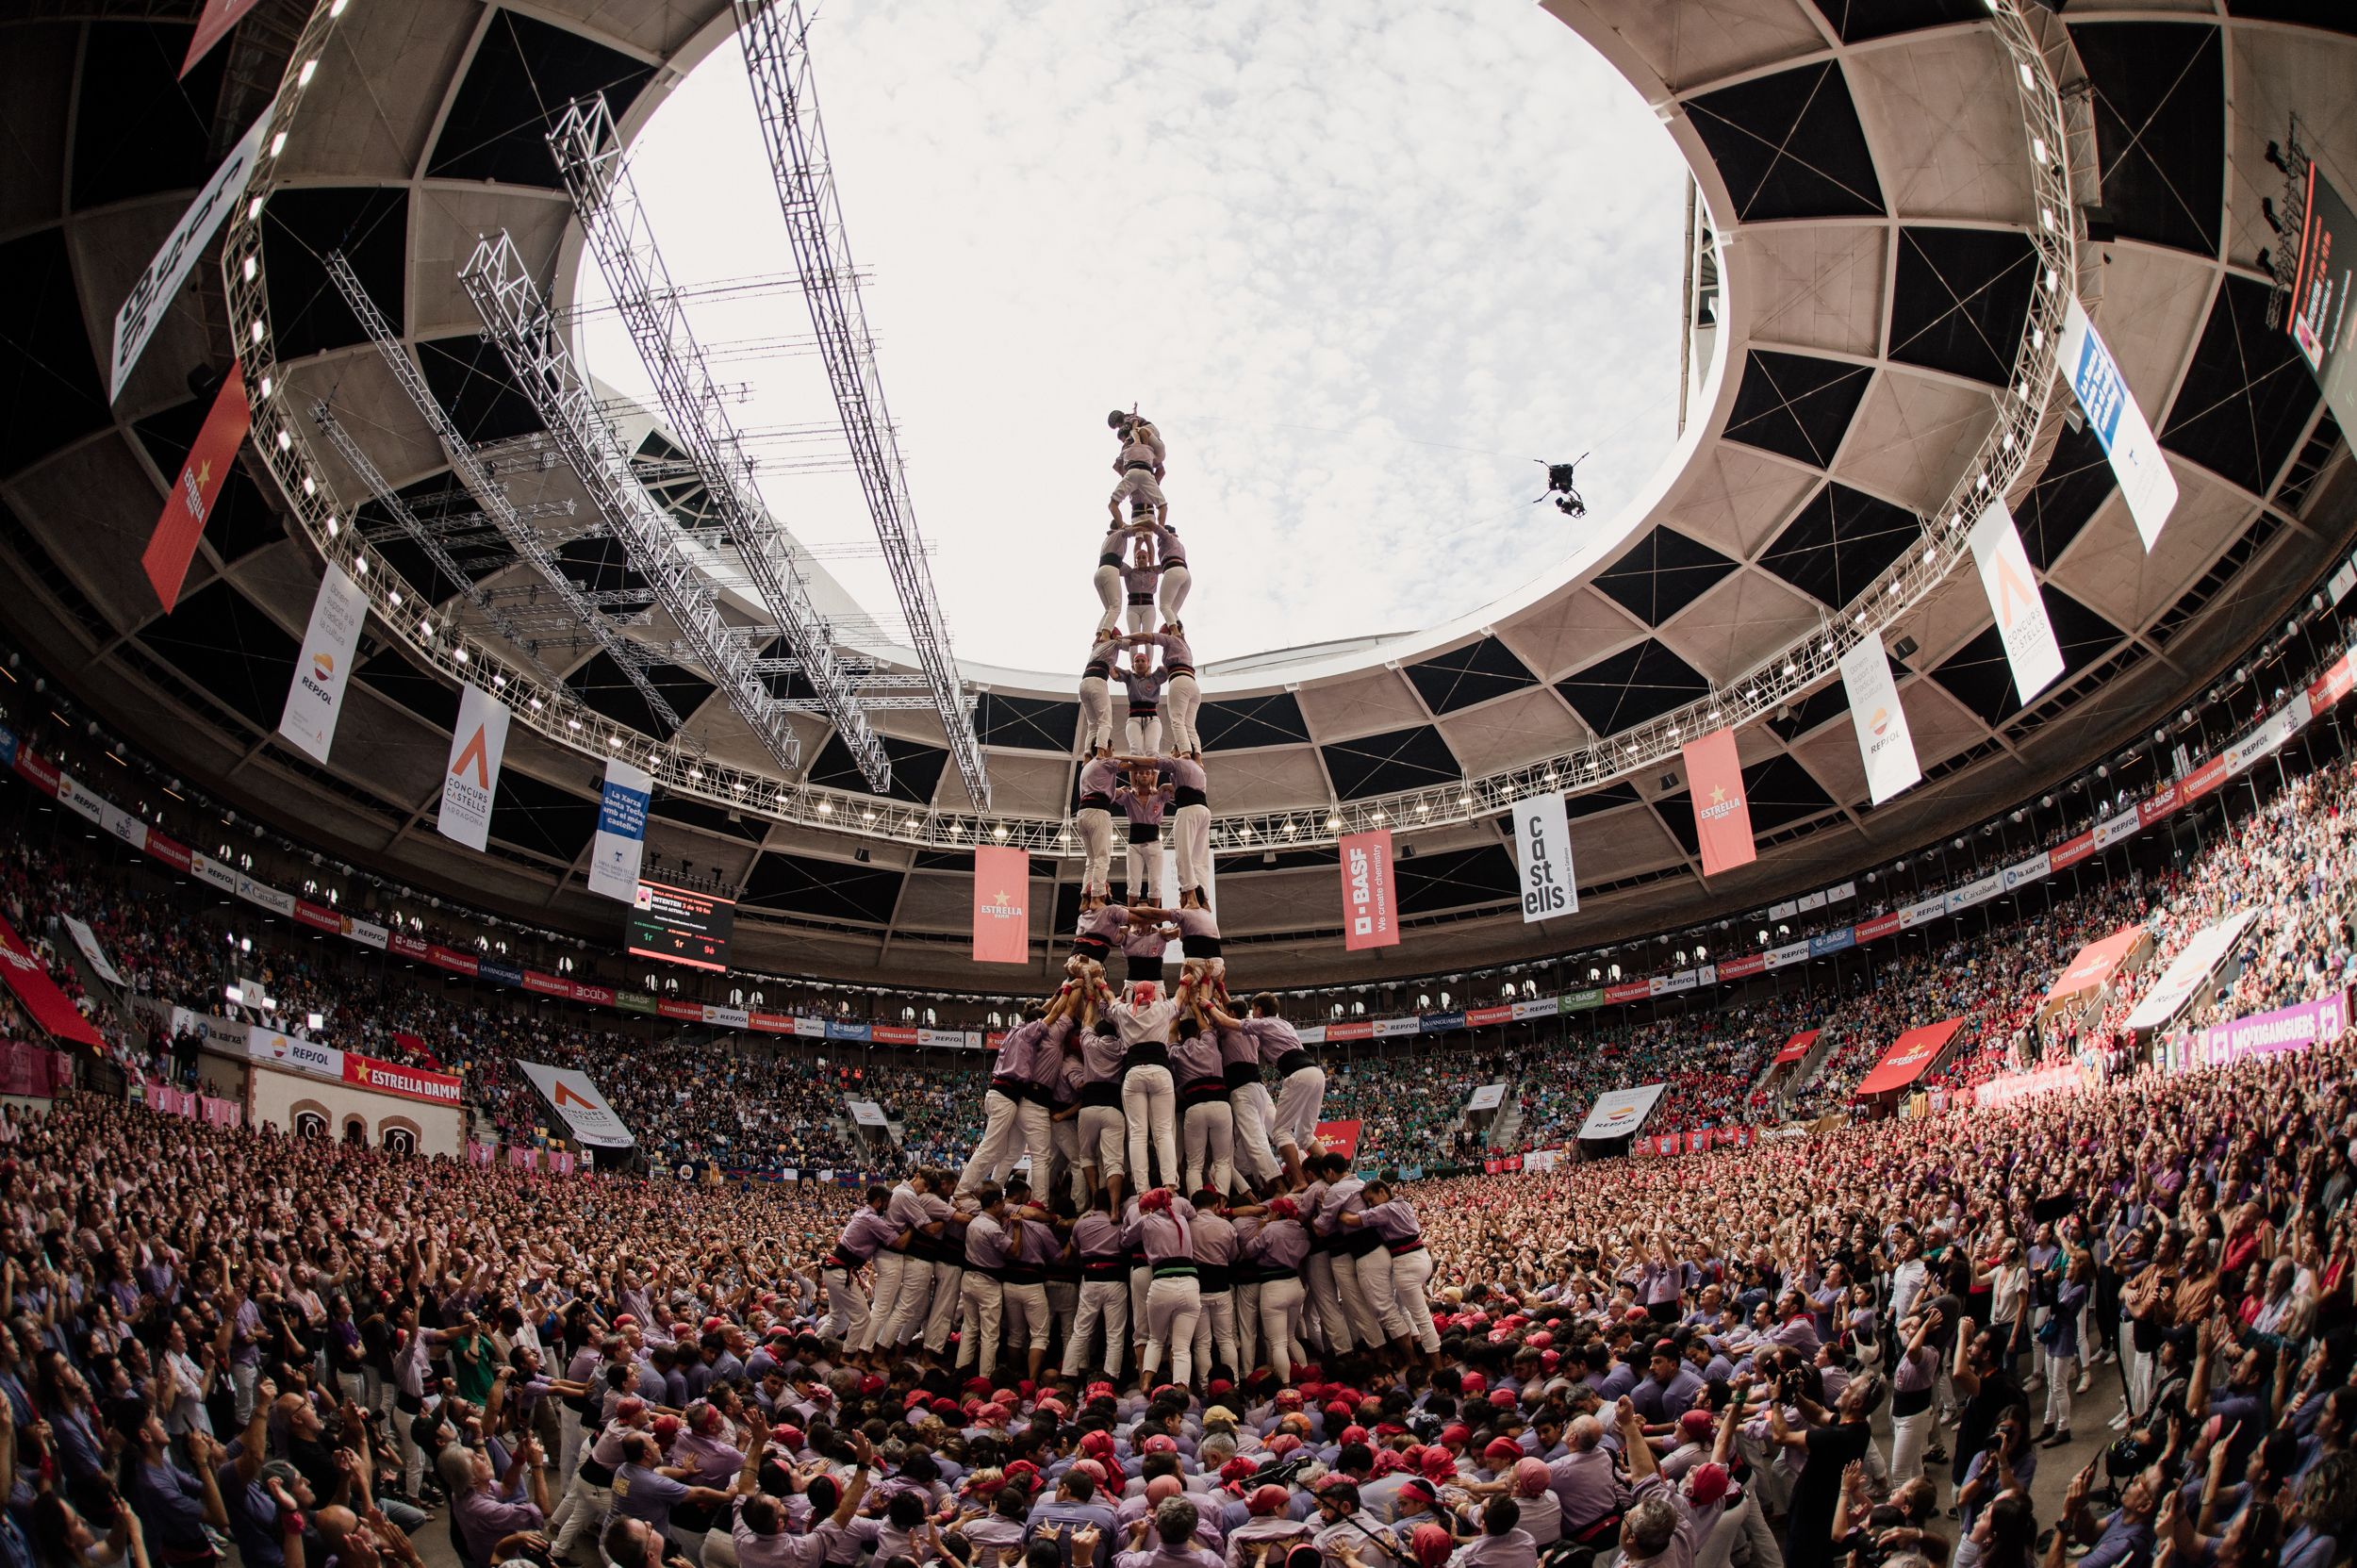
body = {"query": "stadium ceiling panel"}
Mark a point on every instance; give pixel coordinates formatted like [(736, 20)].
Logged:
[(1860, 162)]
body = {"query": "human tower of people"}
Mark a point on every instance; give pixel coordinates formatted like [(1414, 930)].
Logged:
[(1170, 1215)]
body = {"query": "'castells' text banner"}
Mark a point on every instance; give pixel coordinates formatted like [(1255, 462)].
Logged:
[(1542, 852)]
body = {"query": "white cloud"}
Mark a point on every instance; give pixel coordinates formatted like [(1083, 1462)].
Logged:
[(1325, 248)]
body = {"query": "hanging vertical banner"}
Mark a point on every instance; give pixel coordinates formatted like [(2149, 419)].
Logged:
[(1542, 854), (211, 27), (322, 669), (2111, 413), (2322, 326), (1369, 919), (622, 831), (142, 312), (1722, 819), (1883, 741), (2022, 625), (1002, 905), (472, 781), (182, 522)]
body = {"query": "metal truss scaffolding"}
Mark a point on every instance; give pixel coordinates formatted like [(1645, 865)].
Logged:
[(614, 224), (486, 491), (774, 35), (516, 323)]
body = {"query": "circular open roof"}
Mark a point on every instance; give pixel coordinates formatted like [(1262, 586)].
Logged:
[(1875, 212)]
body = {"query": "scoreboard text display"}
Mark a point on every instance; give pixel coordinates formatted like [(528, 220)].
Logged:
[(679, 927)]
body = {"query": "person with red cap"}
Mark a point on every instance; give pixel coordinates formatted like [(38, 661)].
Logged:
[(1161, 1225), (1345, 1526), (1268, 1518), (1276, 1250)]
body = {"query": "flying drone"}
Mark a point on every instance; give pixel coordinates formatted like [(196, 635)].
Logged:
[(1561, 487)]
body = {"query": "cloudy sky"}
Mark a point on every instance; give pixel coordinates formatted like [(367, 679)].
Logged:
[(1362, 263)]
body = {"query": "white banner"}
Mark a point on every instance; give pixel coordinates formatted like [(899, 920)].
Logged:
[(323, 669), (1923, 911), (569, 1091), (2119, 825), (2023, 872), (2191, 969), (367, 933), (1314, 1035), (2145, 481), (1784, 911), (2022, 625), (220, 873), (1536, 1007), (1386, 1028), (1839, 891), (1809, 901), (1488, 1097), (266, 896), (1792, 952), (1978, 892), (810, 1029), (727, 1018), (472, 780), (87, 940), (1883, 741), (152, 295), (80, 799), (1542, 854), (1621, 1112), (622, 831), (867, 1112)]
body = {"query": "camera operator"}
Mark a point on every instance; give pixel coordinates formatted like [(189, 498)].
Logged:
[(1873, 1533)]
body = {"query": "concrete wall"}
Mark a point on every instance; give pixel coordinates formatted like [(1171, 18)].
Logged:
[(292, 1101)]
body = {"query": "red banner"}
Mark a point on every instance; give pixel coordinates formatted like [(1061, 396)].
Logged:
[(1913, 1051), (2096, 962), (1876, 928), (596, 995), (33, 1070), (1797, 1046), (1358, 1029), (318, 916), (547, 986), (451, 959), (408, 1082), (687, 1011), (2337, 682), (410, 947), (900, 1034), (1477, 1017), (170, 852), (1369, 918), (1634, 990), (1722, 819), (182, 522), (22, 969), (1738, 969), (772, 1023), (2159, 805), (2070, 851), (1002, 906), (2204, 779), (211, 27), (1339, 1138), (38, 771)]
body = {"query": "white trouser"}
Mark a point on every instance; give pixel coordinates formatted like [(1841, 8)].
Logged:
[(1104, 1311), (1109, 593), (2139, 1390), (1028, 1318), (1295, 1125), (1096, 716), (690, 1544), (1067, 1136), (1280, 1324), (1104, 1135), (568, 1438), (1149, 1105), (587, 1520), (981, 1304), (1253, 1112), (889, 1266), (1247, 1324), (243, 1376), (1909, 1436), (847, 1304), (1011, 1128), (1172, 1305), (1326, 1302), (948, 1281), (1210, 1128), (1141, 1279), (1141, 616), (1144, 733), (1367, 1324), (1411, 1274), (1063, 1304), (1191, 842), (1181, 698), (1216, 1331), (1146, 866), (721, 1544), (1173, 592), (1096, 844), (912, 1308), (2060, 1370)]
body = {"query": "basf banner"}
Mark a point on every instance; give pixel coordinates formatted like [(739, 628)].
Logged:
[(1883, 741), (472, 780), (622, 833), (323, 668), (1542, 852), (1368, 919), (2322, 326), (572, 1094), (2022, 625), (2111, 413), (1621, 1112)]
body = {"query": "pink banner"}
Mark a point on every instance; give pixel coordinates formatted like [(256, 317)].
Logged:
[(1722, 819), (480, 1153), (33, 1071), (2021, 1086), (1369, 918), (1002, 905), (2266, 1033), (221, 1112)]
